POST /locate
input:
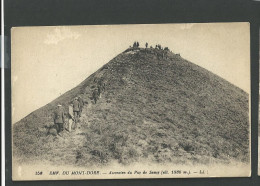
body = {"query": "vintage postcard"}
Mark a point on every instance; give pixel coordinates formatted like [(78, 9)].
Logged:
[(131, 101)]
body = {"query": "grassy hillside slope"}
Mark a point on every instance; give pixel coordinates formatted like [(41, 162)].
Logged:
[(158, 110)]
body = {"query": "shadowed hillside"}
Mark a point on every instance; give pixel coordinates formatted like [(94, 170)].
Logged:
[(153, 108)]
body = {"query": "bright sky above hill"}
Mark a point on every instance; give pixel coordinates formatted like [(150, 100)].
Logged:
[(48, 61)]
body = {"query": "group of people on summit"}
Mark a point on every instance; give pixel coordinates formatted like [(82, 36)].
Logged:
[(158, 46), (161, 51)]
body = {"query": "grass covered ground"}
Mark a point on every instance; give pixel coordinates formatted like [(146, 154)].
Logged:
[(161, 110)]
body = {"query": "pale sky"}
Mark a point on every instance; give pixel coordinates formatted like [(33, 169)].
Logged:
[(48, 61)]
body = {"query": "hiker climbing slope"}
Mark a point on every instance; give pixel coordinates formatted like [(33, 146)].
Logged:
[(59, 118), (71, 118), (99, 91), (95, 95), (81, 104), (76, 109)]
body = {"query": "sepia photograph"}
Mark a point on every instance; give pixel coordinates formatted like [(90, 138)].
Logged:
[(131, 101)]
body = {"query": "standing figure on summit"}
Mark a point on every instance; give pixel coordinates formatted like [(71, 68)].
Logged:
[(76, 109), (59, 118)]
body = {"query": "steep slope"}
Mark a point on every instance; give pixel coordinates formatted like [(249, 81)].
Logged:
[(152, 108)]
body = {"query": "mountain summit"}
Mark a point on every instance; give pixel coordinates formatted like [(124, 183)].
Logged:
[(155, 106)]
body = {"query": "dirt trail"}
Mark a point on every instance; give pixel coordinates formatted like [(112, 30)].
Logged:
[(68, 144)]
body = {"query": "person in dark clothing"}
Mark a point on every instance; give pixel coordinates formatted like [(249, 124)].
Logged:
[(76, 109), (95, 95), (81, 104), (103, 87), (99, 91), (59, 119)]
